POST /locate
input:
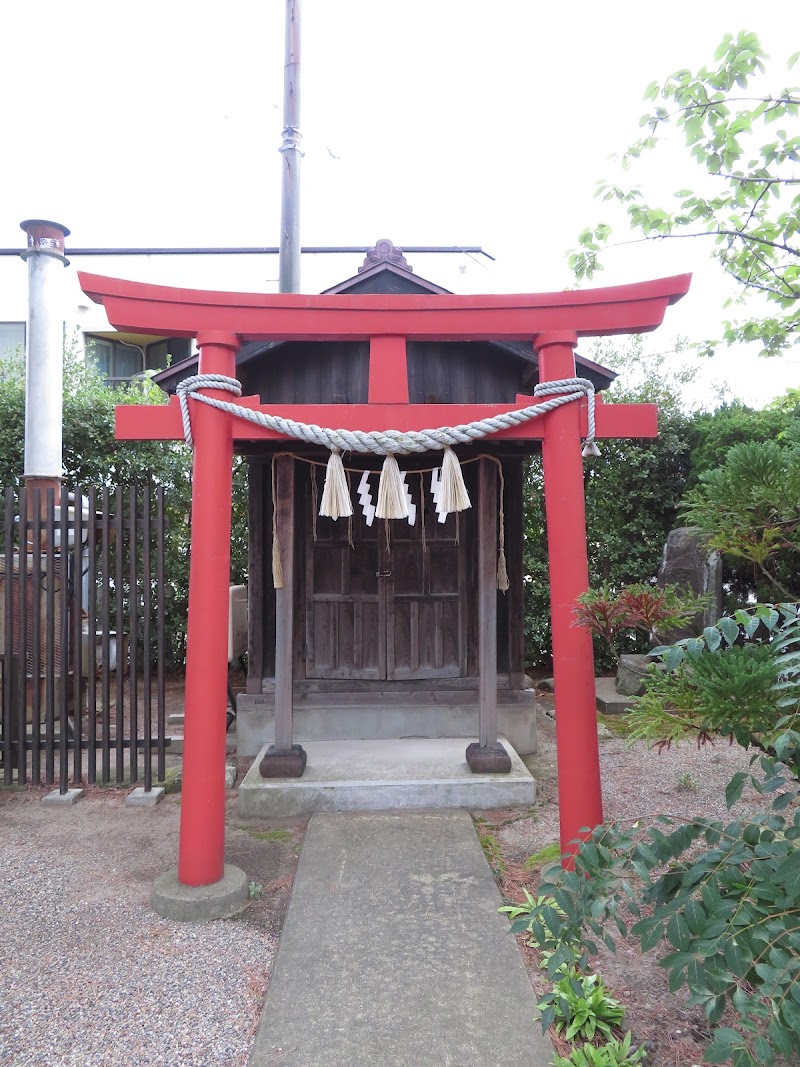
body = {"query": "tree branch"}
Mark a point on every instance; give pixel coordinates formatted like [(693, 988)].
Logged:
[(711, 233), (752, 180), (778, 585), (771, 101)]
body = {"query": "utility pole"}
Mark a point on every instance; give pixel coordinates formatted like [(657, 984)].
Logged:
[(289, 264)]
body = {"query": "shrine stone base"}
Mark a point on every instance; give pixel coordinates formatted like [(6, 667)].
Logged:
[(382, 716), (413, 773)]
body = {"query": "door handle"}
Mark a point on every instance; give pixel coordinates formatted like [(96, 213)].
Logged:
[(383, 574)]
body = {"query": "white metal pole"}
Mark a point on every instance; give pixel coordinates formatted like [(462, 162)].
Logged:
[(44, 363)]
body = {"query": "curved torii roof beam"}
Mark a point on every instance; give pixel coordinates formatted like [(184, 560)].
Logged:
[(138, 307)]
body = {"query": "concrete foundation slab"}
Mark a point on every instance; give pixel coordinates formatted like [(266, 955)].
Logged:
[(200, 903), (62, 800), (381, 719), (144, 798), (386, 775), (393, 953)]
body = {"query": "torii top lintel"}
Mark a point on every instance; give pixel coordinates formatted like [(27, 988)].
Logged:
[(386, 321), (138, 307)]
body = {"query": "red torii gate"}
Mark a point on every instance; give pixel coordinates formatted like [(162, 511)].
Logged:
[(220, 322)]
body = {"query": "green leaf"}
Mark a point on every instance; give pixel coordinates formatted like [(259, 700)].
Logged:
[(678, 932), (724, 1042), (735, 788), (650, 932), (713, 637), (695, 916), (764, 1052), (673, 657), (730, 630), (789, 873)]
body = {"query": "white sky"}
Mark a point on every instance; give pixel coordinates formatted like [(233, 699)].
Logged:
[(454, 122)]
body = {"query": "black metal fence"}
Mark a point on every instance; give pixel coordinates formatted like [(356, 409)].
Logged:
[(82, 636)]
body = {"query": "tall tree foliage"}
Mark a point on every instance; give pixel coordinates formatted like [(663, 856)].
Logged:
[(746, 140)]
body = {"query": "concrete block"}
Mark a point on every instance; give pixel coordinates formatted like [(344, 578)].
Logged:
[(609, 701), (200, 903), (145, 798), (255, 722), (386, 775), (62, 800)]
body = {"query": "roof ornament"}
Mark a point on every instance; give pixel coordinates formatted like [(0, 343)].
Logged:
[(384, 251)]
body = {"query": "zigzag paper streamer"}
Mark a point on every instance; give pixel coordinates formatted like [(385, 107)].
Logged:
[(412, 507), (436, 492), (365, 499)]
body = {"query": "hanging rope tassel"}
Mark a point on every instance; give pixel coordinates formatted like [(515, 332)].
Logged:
[(453, 495), (277, 566), (392, 501), (336, 502), (590, 449)]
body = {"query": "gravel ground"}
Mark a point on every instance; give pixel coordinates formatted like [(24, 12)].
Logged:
[(90, 976)]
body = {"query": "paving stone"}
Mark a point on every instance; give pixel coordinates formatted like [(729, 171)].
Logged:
[(393, 952)]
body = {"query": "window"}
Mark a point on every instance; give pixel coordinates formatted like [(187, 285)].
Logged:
[(120, 360), (116, 361), (12, 337)]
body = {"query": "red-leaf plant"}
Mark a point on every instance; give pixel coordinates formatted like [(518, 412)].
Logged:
[(648, 609)]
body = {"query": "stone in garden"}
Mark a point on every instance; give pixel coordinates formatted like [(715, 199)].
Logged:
[(688, 564), (630, 674)]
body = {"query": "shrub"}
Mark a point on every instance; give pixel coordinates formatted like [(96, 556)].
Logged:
[(724, 894)]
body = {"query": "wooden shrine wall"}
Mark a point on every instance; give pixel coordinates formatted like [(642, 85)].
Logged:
[(457, 372), (352, 628)]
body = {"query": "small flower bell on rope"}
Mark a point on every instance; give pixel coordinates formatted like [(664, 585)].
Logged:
[(336, 502), (392, 500), (453, 495)]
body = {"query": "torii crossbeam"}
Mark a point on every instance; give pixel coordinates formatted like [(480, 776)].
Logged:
[(221, 322)]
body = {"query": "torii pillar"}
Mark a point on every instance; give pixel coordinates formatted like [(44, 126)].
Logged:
[(580, 801)]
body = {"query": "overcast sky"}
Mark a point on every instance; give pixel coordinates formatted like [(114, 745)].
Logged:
[(427, 121)]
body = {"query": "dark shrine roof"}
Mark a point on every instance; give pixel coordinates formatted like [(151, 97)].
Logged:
[(385, 270)]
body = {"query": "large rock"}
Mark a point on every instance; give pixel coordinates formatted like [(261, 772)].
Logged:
[(688, 563), (630, 674)]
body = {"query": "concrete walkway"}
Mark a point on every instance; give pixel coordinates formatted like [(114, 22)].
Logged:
[(393, 953)]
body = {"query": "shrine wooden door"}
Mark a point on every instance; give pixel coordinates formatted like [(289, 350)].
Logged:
[(386, 608)]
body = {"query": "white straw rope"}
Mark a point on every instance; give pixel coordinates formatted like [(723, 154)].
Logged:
[(385, 442)]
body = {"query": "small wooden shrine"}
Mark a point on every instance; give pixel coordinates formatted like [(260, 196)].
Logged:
[(386, 612)]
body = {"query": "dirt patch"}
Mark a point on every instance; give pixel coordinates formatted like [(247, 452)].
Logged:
[(683, 781)]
